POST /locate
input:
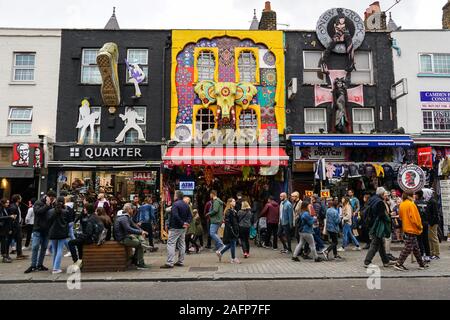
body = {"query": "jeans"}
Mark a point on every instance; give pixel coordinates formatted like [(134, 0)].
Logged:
[(272, 230), (306, 238), (38, 241), (77, 244), (18, 238), (334, 243), (4, 246), (29, 228), (134, 242), (244, 235), (285, 231), (71, 235), (149, 228), (318, 239), (411, 245), (433, 239), (58, 248), (424, 245), (214, 227), (376, 245), (192, 239), (347, 232), (232, 247), (177, 239)]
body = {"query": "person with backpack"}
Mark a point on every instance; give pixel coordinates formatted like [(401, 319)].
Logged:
[(216, 218), (306, 223), (433, 214), (332, 229), (245, 217), (231, 232), (58, 232), (424, 244), (379, 224)]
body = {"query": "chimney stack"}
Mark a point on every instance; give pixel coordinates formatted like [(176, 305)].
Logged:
[(446, 16), (268, 18), (374, 18)]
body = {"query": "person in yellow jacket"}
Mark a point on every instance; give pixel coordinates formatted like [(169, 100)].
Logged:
[(412, 227)]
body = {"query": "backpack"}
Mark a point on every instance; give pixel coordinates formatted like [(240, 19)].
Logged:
[(99, 233)]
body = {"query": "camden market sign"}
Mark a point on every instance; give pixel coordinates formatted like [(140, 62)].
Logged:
[(107, 153)]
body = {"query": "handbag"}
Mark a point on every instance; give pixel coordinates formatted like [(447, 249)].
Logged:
[(221, 230), (252, 232), (262, 223)]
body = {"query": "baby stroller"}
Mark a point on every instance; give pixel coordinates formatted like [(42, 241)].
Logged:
[(261, 232)]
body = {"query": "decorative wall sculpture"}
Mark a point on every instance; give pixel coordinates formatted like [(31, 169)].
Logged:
[(137, 76), (87, 120), (107, 60), (129, 118)]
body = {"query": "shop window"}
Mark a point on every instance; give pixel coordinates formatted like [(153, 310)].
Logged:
[(24, 65), (248, 119), (87, 133), (247, 67), (132, 135), (206, 65), (363, 120), (89, 70), (315, 120), (436, 120), (435, 63), (364, 70), (139, 56), (311, 68), (20, 120)]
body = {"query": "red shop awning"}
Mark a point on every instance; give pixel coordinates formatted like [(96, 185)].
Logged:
[(216, 156)]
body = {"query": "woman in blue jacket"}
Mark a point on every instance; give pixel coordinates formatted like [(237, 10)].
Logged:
[(306, 223), (332, 227)]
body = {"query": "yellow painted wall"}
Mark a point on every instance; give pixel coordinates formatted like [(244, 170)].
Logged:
[(273, 40)]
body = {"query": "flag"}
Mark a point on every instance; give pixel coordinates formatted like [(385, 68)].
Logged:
[(320, 169)]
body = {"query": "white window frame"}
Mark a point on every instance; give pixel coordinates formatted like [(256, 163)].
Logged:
[(27, 67), (246, 68), (433, 66), (209, 68), (434, 129), (370, 70), (96, 127), (141, 123), (144, 66), (354, 123), (13, 120), (312, 123), (312, 70), (91, 65)]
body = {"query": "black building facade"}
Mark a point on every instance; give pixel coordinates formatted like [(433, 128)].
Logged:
[(127, 165)]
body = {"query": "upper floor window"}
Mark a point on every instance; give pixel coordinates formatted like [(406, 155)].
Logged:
[(248, 119), (315, 120), (364, 70), (363, 120), (437, 63), (132, 135), (206, 65), (140, 57), (24, 66), (311, 68), (89, 69), (19, 120), (436, 120), (87, 131), (247, 67), (205, 120)]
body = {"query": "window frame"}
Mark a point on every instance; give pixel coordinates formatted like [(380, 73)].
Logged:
[(28, 67), (237, 54), (372, 111), (83, 52), (433, 129), (143, 66), (325, 122), (370, 70), (312, 70), (215, 52), (12, 120), (97, 125), (433, 67), (142, 125)]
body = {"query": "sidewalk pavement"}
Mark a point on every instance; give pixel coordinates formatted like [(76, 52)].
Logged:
[(263, 264)]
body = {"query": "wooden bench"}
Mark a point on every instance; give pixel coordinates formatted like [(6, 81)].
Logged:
[(110, 256)]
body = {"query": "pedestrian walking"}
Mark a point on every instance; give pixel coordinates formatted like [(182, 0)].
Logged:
[(58, 232), (318, 213), (433, 215), (412, 228), (231, 232), (365, 229), (271, 212), (194, 231), (5, 230), (296, 203), (332, 228), (29, 223), (306, 225), (16, 213), (245, 217), (285, 223), (388, 240), (146, 219), (179, 221), (424, 244), (347, 216), (216, 219)]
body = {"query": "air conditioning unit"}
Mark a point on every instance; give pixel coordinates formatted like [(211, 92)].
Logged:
[(183, 133), (292, 89)]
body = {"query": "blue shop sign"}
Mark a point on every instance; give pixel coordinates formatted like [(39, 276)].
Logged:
[(352, 141), (434, 96), (187, 185)]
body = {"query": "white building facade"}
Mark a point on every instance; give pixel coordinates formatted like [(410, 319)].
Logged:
[(29, 79)]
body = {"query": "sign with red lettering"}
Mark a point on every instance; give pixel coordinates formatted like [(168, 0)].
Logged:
[(145, 176), (425, 157)]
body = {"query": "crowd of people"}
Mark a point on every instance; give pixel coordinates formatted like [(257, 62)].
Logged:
[(316, 224)]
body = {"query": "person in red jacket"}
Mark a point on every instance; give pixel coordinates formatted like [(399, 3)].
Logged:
[(272, 213)]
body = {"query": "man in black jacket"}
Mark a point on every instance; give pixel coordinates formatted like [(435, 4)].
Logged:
[(422, 206), (5, 230), (127, 232), (434, 220), (16, 214), (40, 231), (377, 210)]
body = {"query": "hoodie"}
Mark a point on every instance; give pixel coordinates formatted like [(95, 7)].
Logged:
[(409, 214), (216, 213), (272, 212)]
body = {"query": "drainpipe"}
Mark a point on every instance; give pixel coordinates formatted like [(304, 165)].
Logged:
[(163, 132)]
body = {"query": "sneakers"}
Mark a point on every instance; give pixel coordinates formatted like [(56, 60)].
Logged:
[(435, 258), (338, 257), (68, 254), (306, 257), (246, 255), (357, 249), (219, 255), (79, 263), (325, 254), (423, 267), (21, 257), (6, 260), (391, 257), (166, 266), (57, 271), (318, 259), (296, 259), (142, 266), (31, 269), (179, 264), (284, 251), (340, 249), (400, 267), (107, 60), (390, 264), (235, 261), (42, 268)]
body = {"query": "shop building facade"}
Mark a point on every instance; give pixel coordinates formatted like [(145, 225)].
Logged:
[(29, 64), (101, 146)]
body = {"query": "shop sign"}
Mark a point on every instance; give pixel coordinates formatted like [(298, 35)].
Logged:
[(22, 152), (309, 193), (303, 166), (315, 153), (107, 153), (445, 198), (411, 178), (144, 176), (434, 99), (425, 157), (325, 193), (187, 185)]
